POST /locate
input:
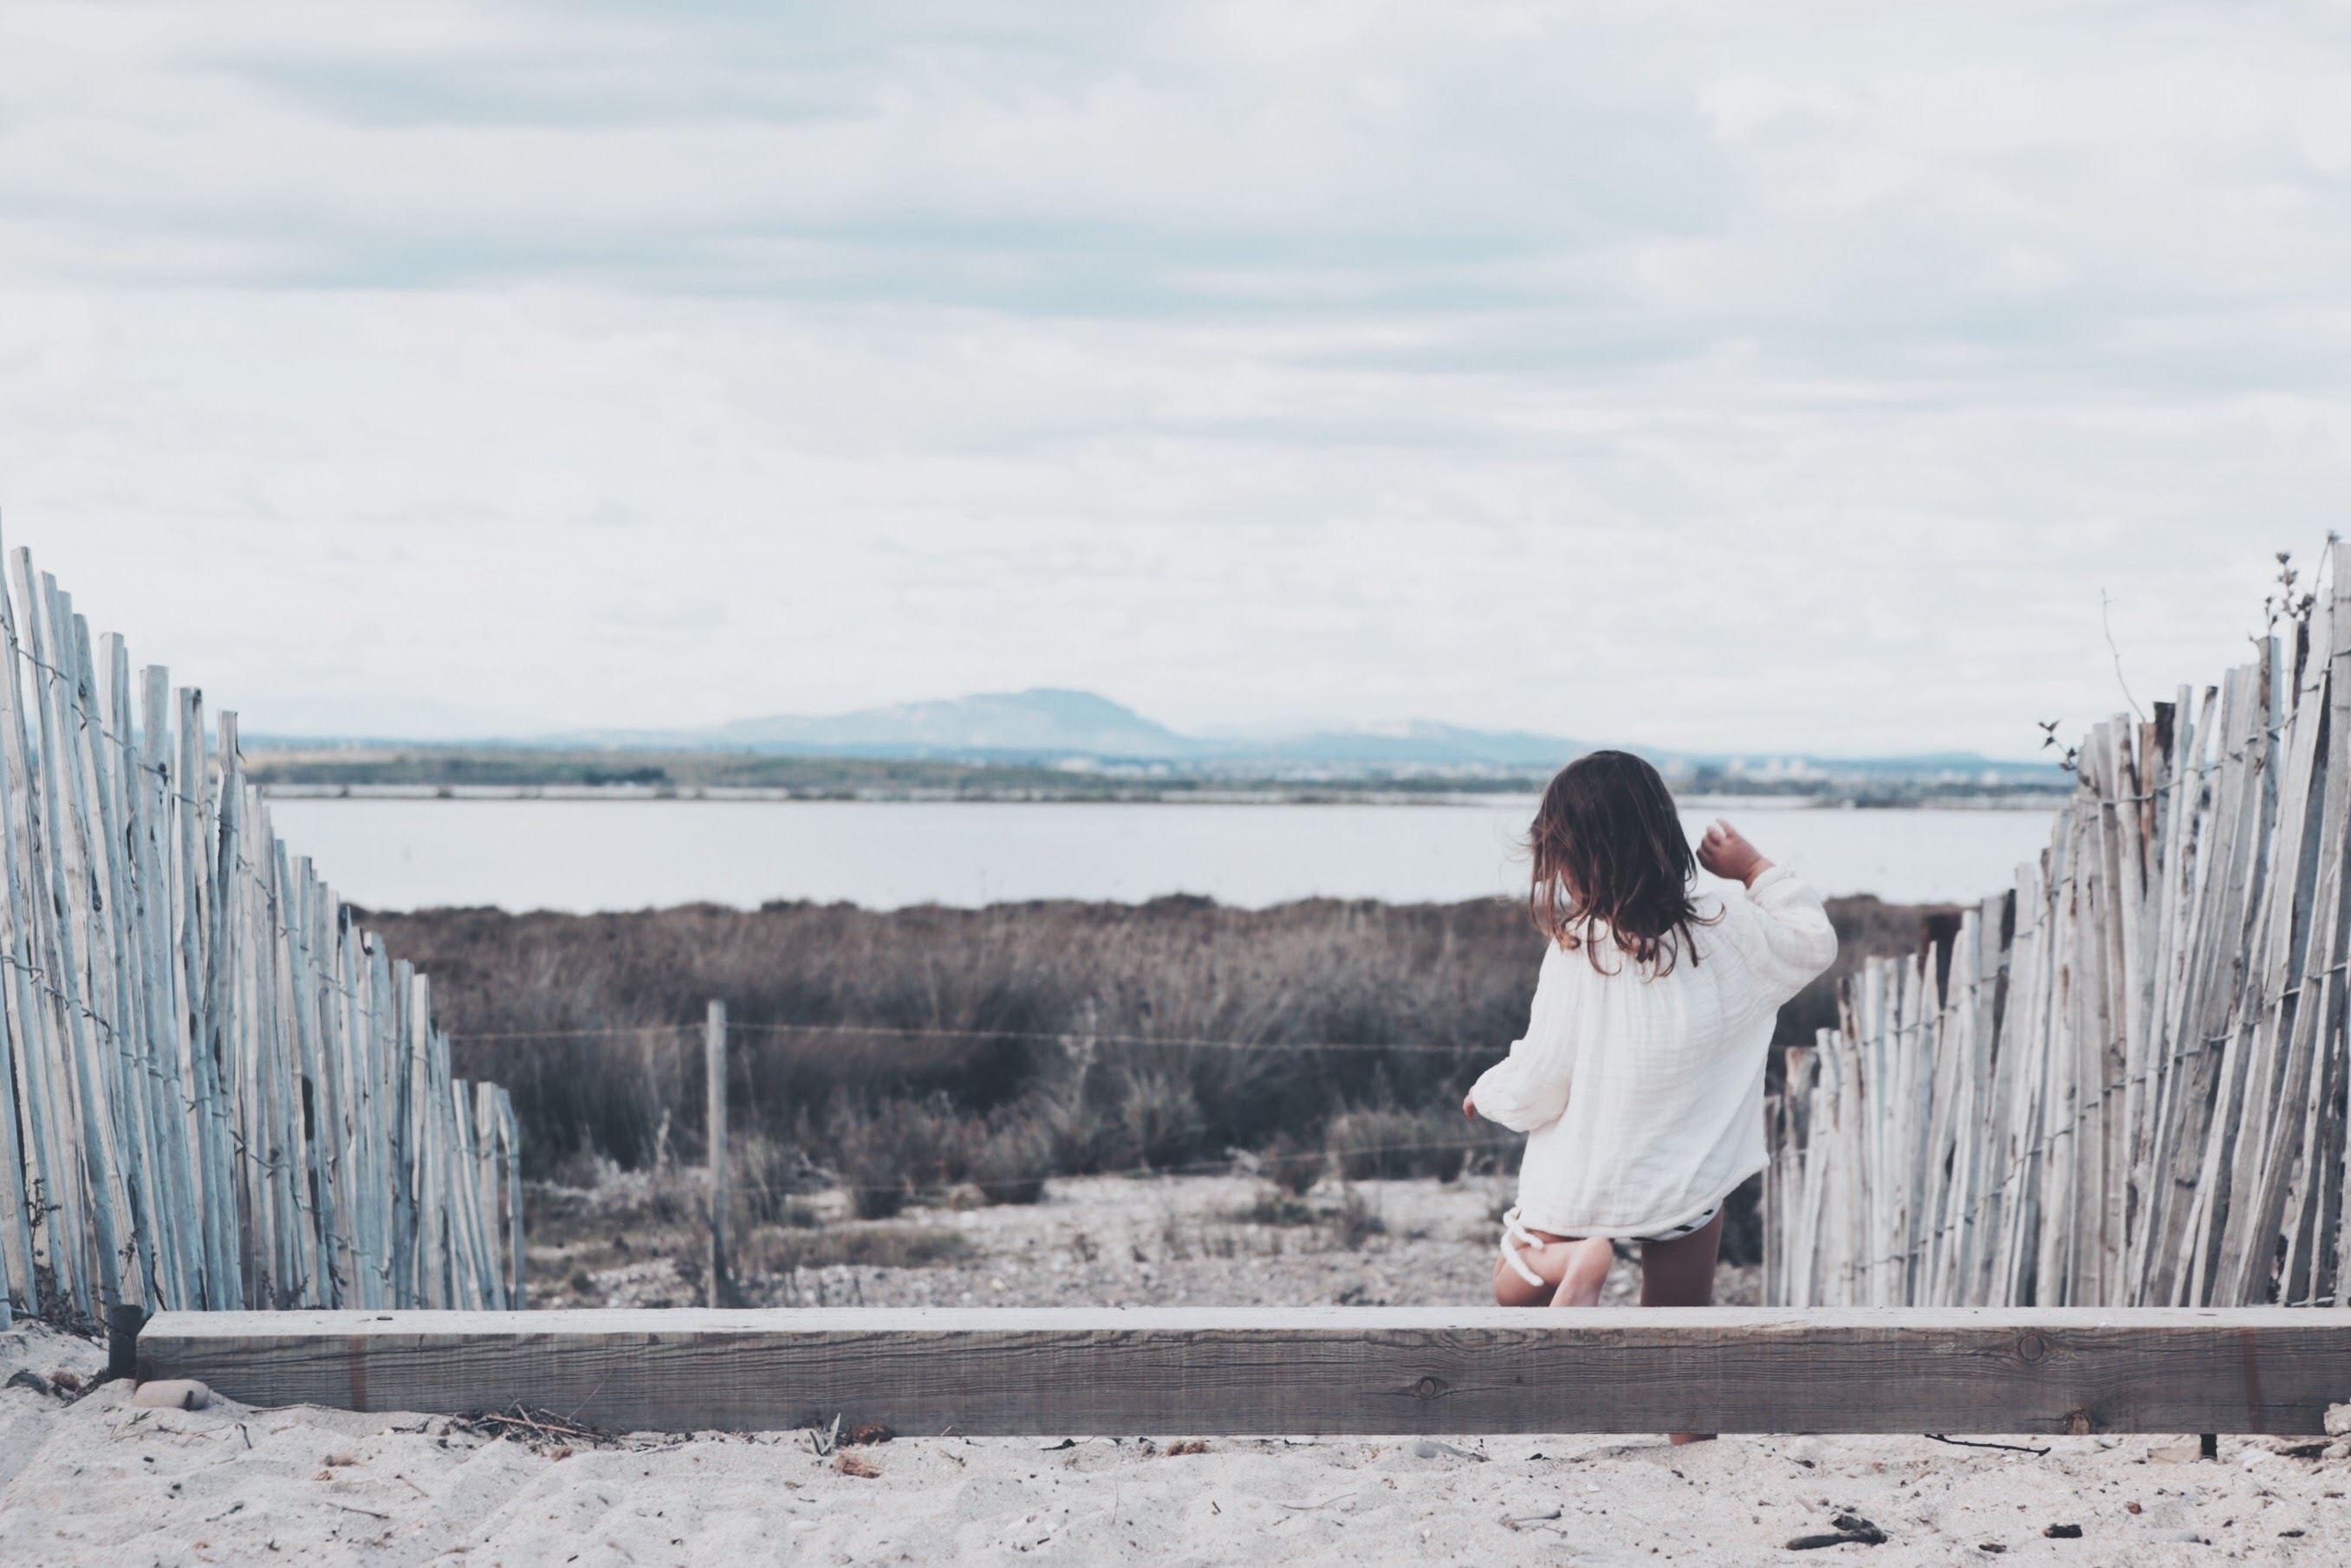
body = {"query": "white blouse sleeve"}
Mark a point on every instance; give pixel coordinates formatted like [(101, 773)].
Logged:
[(1528, 1088), (1794, 940)]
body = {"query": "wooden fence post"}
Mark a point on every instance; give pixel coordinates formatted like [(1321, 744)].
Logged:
[(721, 1290)]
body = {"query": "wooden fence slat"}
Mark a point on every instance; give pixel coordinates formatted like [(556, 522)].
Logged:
[(92, 1172), (150, 1008), (24, 1159), (511, 1161)]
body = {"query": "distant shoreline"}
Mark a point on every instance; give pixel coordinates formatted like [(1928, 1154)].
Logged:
[(727, 794)]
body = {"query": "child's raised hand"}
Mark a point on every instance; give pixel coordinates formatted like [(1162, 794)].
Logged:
[(1726, 852)]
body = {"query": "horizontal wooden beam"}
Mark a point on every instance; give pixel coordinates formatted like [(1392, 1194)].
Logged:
[(1300, 1371)]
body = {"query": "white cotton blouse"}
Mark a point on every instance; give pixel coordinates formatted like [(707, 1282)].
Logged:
[(1642, 1095)]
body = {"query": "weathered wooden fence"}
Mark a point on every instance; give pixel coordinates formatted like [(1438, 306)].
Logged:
[(2123, 1081), (215, 1091)]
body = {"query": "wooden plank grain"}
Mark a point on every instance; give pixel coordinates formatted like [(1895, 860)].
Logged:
[(1300, 1371)]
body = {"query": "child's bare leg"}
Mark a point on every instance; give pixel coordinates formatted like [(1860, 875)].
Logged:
[(1572, 1274), (1513, 1289), (1680, 1272), (1586, 1271)]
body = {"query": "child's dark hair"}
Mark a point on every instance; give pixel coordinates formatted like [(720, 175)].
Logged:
[(1609, 848)]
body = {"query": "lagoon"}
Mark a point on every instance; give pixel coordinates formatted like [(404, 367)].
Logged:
[(588, 855)]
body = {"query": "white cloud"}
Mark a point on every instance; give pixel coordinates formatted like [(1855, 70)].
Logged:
[(1677, 373)]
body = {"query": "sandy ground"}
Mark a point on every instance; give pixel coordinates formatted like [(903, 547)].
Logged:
[(86, 1478), (1099, 1242)]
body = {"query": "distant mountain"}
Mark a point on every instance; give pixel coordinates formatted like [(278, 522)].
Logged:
[(1053, 724), (1041, 722)]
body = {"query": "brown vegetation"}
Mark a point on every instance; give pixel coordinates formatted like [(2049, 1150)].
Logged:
[(856, 1088)]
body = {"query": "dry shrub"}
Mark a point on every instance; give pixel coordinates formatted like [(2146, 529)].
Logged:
[(1272, 1206), (862, 1246), (889, 1153), (1354, 1221), (1007, 1155), (1292, 1165), (1174, 967), (1073, 1133), (1157, 1120), (769, 1173), (882, 1153), (629, 991), (1395, 1144), (581, 1170)]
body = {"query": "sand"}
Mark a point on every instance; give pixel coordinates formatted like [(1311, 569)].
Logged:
[(1099, 1242), (89, 1480)]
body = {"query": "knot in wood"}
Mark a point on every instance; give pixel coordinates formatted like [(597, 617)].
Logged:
[(2031, 1348), (1429, 1387)]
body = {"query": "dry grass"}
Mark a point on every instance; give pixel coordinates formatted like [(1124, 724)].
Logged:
[(996, 1111), (1355, 1222), (1293, 1165), (864, 1246), (1275, 1207), (1386, 1144)]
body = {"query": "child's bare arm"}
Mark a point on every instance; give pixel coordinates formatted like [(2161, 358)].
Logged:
[(1726, 852), (1799, 942)]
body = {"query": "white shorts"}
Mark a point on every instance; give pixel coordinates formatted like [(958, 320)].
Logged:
[(1516, 1235)]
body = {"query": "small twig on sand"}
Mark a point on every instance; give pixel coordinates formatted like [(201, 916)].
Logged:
[(524, 1416), (540, 1430), (573, 1413), (1970, 1443), (1850, 1529)]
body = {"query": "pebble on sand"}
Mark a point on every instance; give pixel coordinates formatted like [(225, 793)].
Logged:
[(172, 1394)]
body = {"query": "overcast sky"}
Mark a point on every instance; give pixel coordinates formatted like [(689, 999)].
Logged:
[(1625, 371)]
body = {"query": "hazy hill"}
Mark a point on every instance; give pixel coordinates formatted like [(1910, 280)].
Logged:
[(1054, 732), (1056, 725), (1041, 721)]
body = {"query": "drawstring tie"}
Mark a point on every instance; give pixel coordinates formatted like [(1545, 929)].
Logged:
[(1514, 1232)]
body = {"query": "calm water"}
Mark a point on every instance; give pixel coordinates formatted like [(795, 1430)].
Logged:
[(580, 856)]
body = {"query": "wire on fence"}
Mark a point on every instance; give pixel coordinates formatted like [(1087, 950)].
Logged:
[(944, 1032), (1469, 1148)]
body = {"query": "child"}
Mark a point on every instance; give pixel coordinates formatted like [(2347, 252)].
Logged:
[(1640, 1080)]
